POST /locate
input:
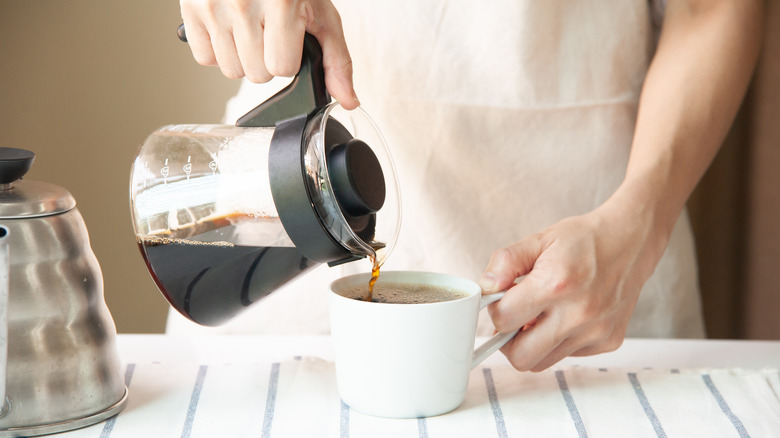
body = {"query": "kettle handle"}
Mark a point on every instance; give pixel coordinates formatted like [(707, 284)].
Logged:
[(4, 286), (304, 95)]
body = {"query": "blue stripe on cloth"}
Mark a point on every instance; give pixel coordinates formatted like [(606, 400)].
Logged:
[(194, 398), (270, 403), (640, 394), (493, 397), (108, 427), (344, 420), (725, 407), (422, 428), (575, 414), (129, 373)]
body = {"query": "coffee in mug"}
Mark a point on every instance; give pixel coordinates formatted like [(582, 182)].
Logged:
[(404, 293), (411, 360)]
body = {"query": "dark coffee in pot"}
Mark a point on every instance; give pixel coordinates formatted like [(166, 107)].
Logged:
[(210, 282)]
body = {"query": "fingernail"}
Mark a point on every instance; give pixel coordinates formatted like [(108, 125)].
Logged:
[(487, 282)]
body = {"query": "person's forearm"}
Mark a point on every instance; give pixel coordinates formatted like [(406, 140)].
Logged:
[(696, 81)]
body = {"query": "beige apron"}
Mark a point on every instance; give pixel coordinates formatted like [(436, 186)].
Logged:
[(503, 118)]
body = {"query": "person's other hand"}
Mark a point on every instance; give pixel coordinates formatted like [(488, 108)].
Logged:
[(581, 281), (260, 39)]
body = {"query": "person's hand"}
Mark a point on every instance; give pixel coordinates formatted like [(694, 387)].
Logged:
[(580, 282), (582, 276), (260, 39)]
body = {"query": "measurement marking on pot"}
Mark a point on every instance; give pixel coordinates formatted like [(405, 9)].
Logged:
[(188, 167), (165, 171)]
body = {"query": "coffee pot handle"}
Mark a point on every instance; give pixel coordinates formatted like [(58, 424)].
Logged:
[(304, 95), (497, 341)]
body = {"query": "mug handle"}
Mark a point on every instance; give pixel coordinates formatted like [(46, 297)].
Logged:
[(497, 341)]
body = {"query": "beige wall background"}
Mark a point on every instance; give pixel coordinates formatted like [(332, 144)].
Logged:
[(82, 83), (735, 210)]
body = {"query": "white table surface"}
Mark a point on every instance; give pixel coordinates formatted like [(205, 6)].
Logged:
[(166, 377), (668, 353)]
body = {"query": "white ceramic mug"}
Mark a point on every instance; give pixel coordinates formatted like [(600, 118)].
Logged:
[(407, 360)]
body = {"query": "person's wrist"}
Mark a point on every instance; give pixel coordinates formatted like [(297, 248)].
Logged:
[(651, 215)]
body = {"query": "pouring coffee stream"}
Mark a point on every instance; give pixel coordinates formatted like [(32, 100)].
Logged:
[(225, 215)]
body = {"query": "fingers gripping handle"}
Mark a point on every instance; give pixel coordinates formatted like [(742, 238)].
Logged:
[(303, 96), (497, 341)]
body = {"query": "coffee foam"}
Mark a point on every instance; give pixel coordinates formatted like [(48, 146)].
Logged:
[(403, 293)]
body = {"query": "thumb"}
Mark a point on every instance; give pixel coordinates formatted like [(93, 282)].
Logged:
[(509, 263)]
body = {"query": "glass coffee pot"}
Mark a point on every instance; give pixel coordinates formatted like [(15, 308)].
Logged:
[(224, 215)]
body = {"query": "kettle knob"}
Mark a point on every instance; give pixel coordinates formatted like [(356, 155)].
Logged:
[(14, 164)]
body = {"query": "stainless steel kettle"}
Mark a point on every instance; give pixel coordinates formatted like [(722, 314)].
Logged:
[(59, 368)]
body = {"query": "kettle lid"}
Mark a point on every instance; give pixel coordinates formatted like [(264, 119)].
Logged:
[(26, 199)]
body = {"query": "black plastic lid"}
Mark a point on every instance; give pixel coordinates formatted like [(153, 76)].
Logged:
[(357, 178), (358, 195)]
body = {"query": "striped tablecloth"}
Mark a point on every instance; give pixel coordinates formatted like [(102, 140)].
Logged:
[(298, 398)]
